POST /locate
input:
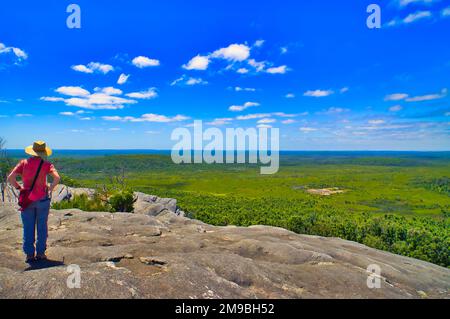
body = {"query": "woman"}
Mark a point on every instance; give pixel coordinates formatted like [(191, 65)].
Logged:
[(35, 216)]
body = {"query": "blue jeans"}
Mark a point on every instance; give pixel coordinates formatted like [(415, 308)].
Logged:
[(35, 217)]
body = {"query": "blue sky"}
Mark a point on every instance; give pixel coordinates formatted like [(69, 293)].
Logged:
[(310, 68)]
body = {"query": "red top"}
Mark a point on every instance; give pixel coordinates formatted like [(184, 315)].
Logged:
[(28, 169)]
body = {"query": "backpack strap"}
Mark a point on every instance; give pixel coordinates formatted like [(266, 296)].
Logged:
[(37, 174)]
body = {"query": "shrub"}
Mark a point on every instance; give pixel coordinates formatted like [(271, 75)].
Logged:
[(83, 202), (119, 201), (122, 201)]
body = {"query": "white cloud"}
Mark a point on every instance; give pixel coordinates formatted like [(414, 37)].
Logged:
[(240, 108), (267, 121), (178, 81), (344, 90), (417, 16), (253, 116), (396, 97), (405, 3), (23, 115), (446, 12), (239, 89), (123, 78), (278, 70), (307, 129), (103, 99), (410, 18), (377, 122), (290, 96), (220, 121), (67, 113), (93, 67), (318, 93), (282, 114), (151, 93), (198, 63), (72, 91), (428, 97), (196, 81), (289, 121), (259, 43), (144, 62), (81, 68), (234, 52), (395, 108), (407, 98), (334, 110), (284, 50), (392, 23), (103, 68), (116, 118), (52, 99), (236, 55), (157, 118), (267, 115), (99, 101), (190, 81), (19, 54), (259, 66), (72, 114), (242, 71), (109, 90)]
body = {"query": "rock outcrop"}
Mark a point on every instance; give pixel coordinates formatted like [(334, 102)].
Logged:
[(145, 204), (153, 206), (63, 192), (156, 253)]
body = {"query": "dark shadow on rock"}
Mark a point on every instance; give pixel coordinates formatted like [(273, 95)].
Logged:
[(44, 264)]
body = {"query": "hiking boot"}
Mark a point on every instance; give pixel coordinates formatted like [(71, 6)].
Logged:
[(30, 259), (41, 257)]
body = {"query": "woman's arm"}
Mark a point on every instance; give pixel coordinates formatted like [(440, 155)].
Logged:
[(12, 179), (54, 174)]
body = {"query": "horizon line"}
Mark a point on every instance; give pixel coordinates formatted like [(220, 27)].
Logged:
[(284, 150)]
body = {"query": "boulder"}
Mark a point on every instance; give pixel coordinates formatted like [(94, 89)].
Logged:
[(152, 205), (63, 193)]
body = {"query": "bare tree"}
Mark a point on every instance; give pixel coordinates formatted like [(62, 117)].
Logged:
[(5, 167)]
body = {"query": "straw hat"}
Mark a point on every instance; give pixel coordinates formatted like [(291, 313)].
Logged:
[(39, 148)]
